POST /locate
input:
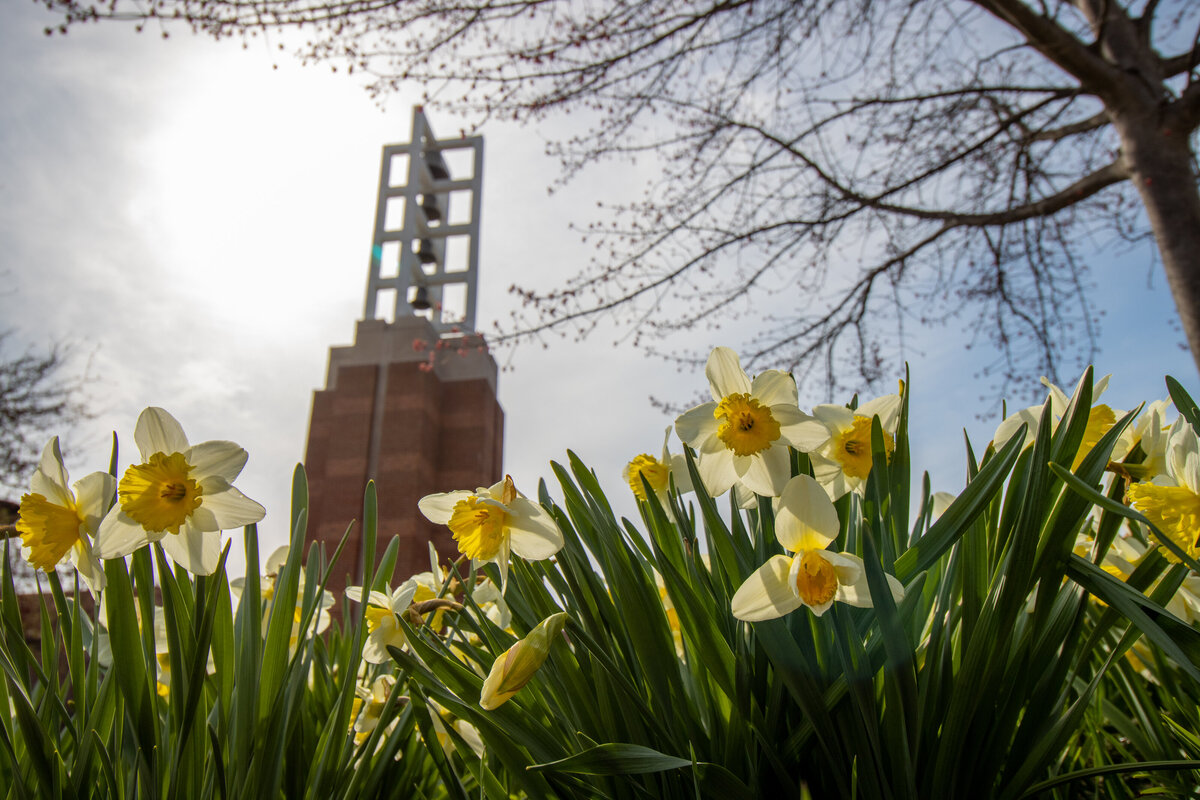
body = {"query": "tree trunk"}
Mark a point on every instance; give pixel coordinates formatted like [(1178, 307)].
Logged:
[(1159, 161)]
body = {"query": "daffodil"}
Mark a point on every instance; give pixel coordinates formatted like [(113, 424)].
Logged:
[(1172, 500), (383, 619), (367, 707), (744, 434), (442, 720), (57, 523), (266, 587), (516, 666), (658, 472), (806, 524), (1152, 432), (490, 522), (838, 442), (1101, 419), (180, 495)]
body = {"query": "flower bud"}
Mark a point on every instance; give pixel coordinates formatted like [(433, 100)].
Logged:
[(515, 667)]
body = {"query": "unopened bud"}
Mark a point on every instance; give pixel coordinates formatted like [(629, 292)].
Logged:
[(515, 667)]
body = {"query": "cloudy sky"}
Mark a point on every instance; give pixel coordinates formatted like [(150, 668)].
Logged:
[(197, 225)]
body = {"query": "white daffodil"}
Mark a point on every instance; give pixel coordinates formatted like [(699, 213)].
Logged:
[(838, 442), (383, 619), (367, 707), (1101, 418), (1152, 432), (744, 434), (805, 524), (266, 588), (57, 524), (1172, 500), (180, 495), (491, 602), (658, 472), (941, 502), (489, 523), (443, 720)]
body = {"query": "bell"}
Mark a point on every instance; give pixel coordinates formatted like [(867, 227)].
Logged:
[(420, 301), (429, 204), (437, 167), (425, 252)]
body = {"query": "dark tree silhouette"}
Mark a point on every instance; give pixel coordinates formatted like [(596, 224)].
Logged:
[(37, 400), (854, 166)]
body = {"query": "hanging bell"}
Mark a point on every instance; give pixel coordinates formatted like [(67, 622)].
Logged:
[(437, 166), (420, 301), (425, 252), (429, 204)]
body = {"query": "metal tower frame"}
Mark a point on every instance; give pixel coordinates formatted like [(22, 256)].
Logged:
[(421, 273)]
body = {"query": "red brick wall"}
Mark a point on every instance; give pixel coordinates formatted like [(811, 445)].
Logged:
[(436, 435)]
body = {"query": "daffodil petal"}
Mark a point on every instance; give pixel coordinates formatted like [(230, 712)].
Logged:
[(377, 598), (438, 508), (119, 536), (354, 593), (769, 471), (50, 478), (790, 419), (697, 425), (807, 435), (376, 644), (806, 519), (766, 594), (223, 459), (717, 472), (725, 374), (93, 494), (231, 508), (830, 475), (773, 387), (198, 552), (276, 560), (158, 432), (203, 519), (403, 596), (533, 533), (681, 475), (848, 566), (1007, 429), (886, 407), (88, 565), (859, 595)]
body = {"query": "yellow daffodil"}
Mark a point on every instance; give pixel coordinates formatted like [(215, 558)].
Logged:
[(806, 524), (1172, 500), (383, 619), (1101, 419), (658, 472), (742, 437), (516, 666), (57, 524), (490, 522), (179, 495), (838, 442)]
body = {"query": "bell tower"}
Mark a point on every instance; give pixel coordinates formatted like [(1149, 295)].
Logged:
[(412, 403)]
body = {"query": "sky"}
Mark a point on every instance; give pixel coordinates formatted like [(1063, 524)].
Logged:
[(194, 220)]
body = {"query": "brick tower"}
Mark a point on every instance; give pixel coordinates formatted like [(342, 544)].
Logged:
[(412, 403)]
